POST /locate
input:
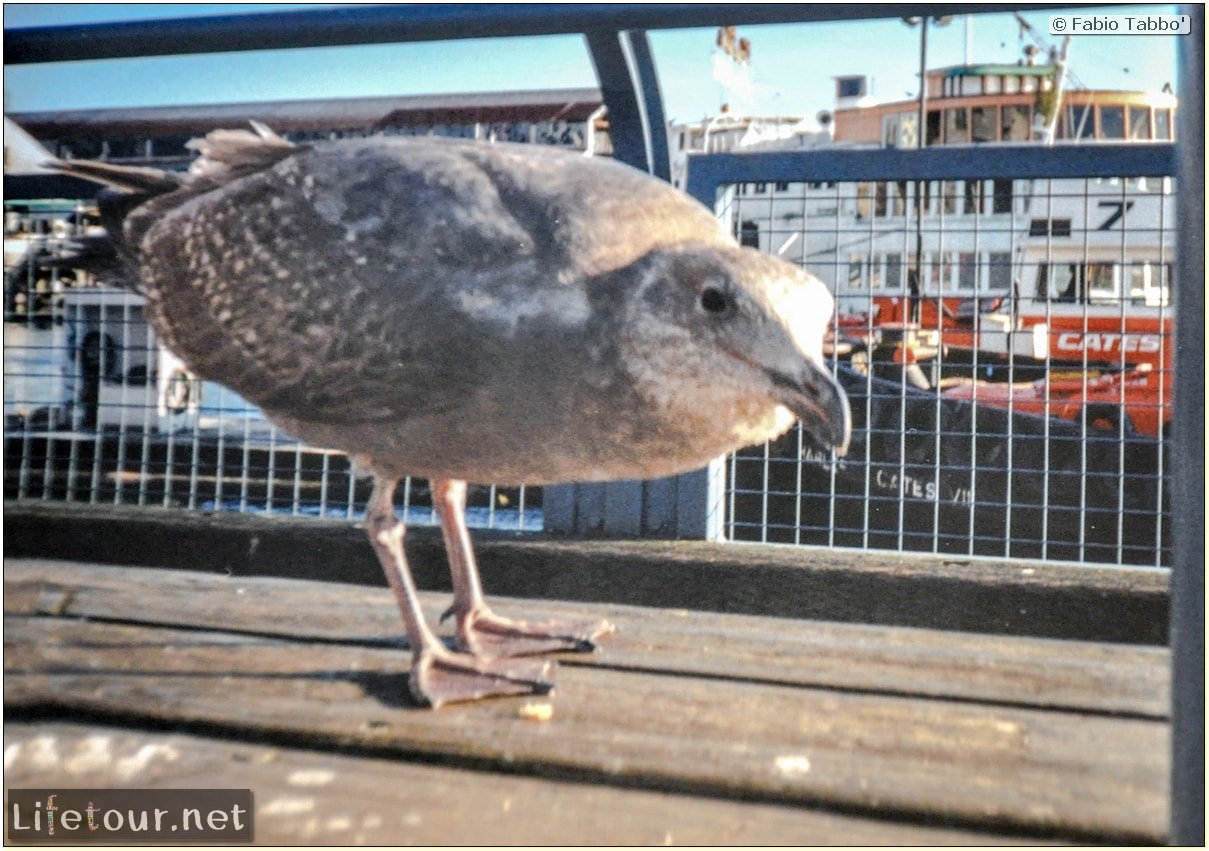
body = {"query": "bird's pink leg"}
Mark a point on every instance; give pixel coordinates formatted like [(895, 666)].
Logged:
[(439, 675), (480, 630)]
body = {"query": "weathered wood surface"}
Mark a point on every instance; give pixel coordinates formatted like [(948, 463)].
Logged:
[(317, 797), (886, 732), (950, 592)]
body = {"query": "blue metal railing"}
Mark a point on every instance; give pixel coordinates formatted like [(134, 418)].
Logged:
[(616, 38), (708, 171)]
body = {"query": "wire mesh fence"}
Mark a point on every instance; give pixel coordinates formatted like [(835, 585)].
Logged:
[(97, 412), (1006, 344)]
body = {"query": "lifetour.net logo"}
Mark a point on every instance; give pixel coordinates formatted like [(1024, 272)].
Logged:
[(106, 816)]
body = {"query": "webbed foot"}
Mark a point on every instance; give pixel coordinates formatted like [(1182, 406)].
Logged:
[(486, 634), (440, 676)]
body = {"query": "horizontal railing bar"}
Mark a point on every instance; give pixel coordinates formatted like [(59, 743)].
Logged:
[(424, 22), (707, 171)]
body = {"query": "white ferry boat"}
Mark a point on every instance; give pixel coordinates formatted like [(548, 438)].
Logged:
[(1062, 274)]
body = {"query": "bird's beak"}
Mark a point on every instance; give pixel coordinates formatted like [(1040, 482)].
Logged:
[(819, 403)]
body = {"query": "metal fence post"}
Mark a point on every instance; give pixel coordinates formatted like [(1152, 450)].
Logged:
[(676, 507), (1188, 572)]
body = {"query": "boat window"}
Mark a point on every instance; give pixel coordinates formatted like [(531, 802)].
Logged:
[(1102, 282), (971, 85), (894, 271), (967, 271), (908, 135), (875, 274), (957, 126), (1011, 84), (999, 271), (900, 198), (1028, 85), (949, 190), (1139, 122), (1079, 122), (992, 84), (879, 199), (1162, 124), (749, 234), (1015, 123), (1001, 195), (940, 272), (975, 194), (975, 197), (1138, 273), (850, 87), (890, 131), (855, 281), (924, 188), (982, 123), (1058, 281), (863, 208), (933, 129), (1148, 284), (1049, 227), (1164, 296), (1112, 122)]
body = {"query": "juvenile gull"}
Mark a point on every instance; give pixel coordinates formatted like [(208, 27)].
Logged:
[(503, 314)]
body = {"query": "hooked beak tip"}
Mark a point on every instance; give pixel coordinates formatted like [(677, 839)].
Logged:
[(839, 418), (822, 406)]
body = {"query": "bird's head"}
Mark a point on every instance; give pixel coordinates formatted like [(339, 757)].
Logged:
[(733, 338)]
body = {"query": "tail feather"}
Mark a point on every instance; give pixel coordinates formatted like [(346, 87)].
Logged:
[(148, 181), (227, 154)]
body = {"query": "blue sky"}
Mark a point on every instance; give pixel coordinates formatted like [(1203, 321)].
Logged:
[(790, 74)]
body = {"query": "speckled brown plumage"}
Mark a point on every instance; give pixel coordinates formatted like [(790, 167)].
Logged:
[(492, 313)]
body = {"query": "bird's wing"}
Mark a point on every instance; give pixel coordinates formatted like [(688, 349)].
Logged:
[(353, 283)]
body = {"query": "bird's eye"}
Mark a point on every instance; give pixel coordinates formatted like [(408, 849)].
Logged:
[(715, 301)]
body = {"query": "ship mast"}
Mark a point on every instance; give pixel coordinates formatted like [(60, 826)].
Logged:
[(1058, 60), (1051, 126)]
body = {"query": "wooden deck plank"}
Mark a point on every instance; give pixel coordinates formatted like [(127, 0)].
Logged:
[(950, 592), (952, 761), (1088, 676), (318, 797)]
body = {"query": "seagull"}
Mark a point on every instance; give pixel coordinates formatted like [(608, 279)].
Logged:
[(470, 312)]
